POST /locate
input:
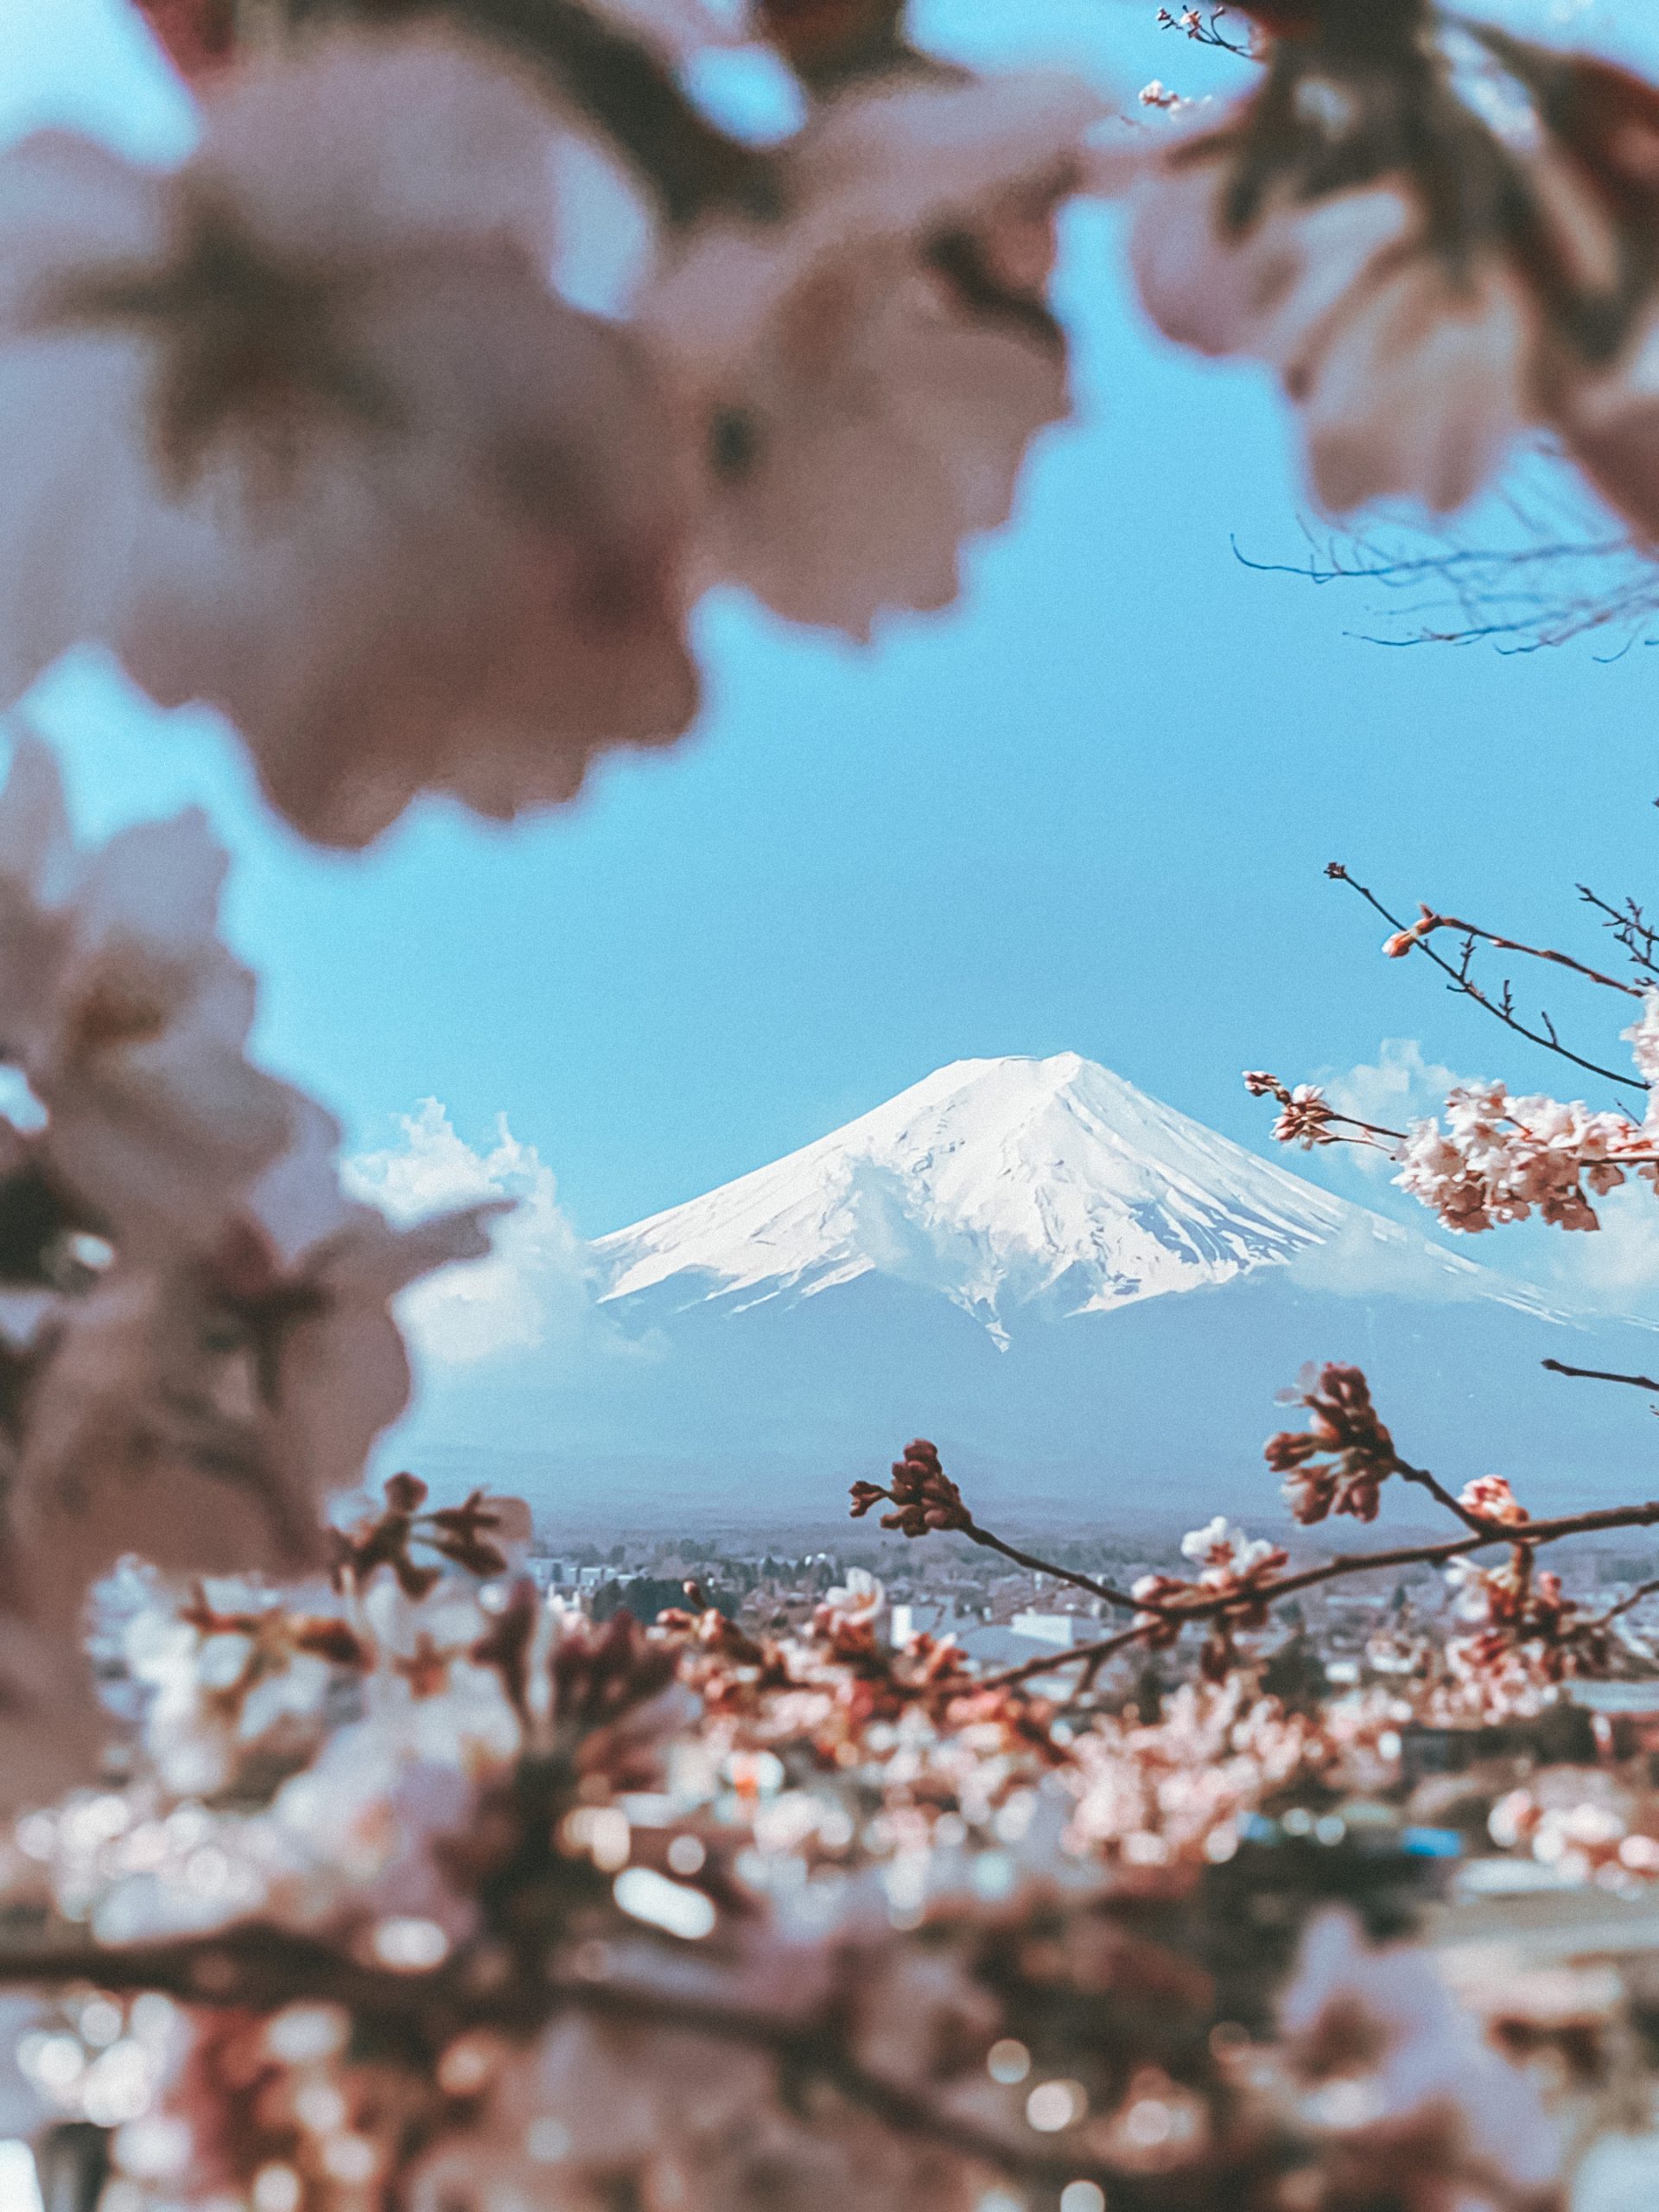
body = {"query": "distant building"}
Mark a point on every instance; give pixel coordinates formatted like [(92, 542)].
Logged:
[(1046, 1627), (937, 1620)]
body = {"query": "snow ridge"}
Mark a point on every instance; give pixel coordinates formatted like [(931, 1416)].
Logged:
[(1001, 1184)]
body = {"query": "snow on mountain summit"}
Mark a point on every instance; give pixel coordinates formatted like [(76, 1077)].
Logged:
[(997, 1183)]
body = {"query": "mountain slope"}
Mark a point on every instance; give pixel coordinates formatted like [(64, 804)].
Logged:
[(1004, 1185), (1086, 1298)]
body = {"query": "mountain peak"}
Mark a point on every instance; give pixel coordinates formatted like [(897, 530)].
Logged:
[(1002, 1185)]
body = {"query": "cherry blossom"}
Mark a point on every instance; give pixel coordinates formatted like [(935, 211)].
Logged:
[(1421, 331), (326, 351), (204, 1415), (1525, 1629), (924, 1499), (1338, 1463), (1490, 1498), (129, 1020), (1227, 1557), (1499, 1158), (865, 374), (354, 1870), (1642, 1038)]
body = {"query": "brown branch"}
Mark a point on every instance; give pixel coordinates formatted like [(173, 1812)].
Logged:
[(265, 1967), (1642, 1590), (1429, 921), (1093, 1655), (254, 1966), (1600, 1375), (816, 2045), (1105, 1591), (1442, 1496), (1462, 982), (1631, 929), (1528, 1534)]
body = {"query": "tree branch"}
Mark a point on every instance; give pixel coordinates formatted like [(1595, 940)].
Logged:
[(1600, 1375), (1461, 981), (1182, 1613), (263, 1967), (1105, 1591), (1430, 920)]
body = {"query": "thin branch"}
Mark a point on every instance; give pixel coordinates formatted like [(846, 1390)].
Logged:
[(1527, 1535), (1601, 1374), (1437, 1490), (1461, 981), (1205, 28), (1120, 1599), (1430, 920), (1093, 1657), (1625, 1604), (1631, 929), (1542, 591)]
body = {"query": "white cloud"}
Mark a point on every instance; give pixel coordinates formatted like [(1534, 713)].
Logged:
[(1373, 1258), (1400, 1086), (1616, 1267), (533, 1292), (1613, 1270)]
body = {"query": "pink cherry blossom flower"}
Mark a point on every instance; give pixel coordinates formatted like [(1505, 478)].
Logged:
[(129, 1019), (1500, 1158), (1490, 1497), (300, 430), (1642, 1038), (865, 372), (203, 1415), (1421, 332)]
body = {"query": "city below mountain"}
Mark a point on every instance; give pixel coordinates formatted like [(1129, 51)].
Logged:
[(1087, 1299)]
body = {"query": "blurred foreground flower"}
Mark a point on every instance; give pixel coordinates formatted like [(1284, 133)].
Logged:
[(1441, 235), (301, 430), (864, 372)]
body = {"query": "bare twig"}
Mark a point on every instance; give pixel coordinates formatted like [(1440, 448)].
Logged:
[(1631, 929), (1460, 980), (1119, 1598), (1430, 920), (1206, 27), (1542, 591), (1625, 1604), (1600, 1375)]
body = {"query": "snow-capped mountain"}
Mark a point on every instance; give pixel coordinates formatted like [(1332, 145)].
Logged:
[(1003, 1184), (1087, 1299)]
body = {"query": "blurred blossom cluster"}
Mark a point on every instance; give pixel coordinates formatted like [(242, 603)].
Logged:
[(419, 1883)]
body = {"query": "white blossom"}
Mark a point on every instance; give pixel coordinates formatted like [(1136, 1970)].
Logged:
[(315, 386), (865, 372)]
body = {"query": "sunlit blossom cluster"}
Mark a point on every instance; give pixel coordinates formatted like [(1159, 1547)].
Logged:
[(1499, 1159)]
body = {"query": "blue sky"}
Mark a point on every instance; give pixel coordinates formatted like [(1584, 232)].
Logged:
[(1087, 810)]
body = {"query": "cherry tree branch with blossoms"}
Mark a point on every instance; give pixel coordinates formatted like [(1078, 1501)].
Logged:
[(1338, 1465)]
